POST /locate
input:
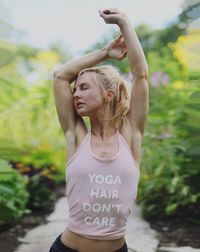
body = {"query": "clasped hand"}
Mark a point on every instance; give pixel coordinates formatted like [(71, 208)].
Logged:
[(116, 49)]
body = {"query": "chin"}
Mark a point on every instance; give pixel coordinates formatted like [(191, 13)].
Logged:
[(82, 113)]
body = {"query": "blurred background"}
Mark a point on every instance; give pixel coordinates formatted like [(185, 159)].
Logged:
[(35, 36)]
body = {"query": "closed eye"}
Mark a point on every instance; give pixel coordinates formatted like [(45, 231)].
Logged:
[(83, 86)]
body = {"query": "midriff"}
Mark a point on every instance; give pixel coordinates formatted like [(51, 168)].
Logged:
[(83, 244)]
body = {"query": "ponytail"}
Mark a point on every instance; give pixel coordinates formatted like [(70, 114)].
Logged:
[(120, 105)]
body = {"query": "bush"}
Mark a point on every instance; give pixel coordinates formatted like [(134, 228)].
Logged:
[(41, 184), (13, 194), (169, 182)]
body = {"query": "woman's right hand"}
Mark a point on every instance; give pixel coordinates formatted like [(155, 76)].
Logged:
[(116, 49)]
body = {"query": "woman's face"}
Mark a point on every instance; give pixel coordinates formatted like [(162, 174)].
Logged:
[(88, 94)]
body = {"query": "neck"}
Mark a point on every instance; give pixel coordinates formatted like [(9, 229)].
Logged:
[(102, 131)]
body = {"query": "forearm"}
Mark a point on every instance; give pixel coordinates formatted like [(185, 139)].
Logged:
[(71, 69), (134, 50)]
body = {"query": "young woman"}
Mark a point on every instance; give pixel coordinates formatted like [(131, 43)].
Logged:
[(103, 162)]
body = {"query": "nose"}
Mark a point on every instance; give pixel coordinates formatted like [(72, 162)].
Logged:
[(76, 94)]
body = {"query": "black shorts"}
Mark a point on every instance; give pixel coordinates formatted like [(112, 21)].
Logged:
[(58, 246)]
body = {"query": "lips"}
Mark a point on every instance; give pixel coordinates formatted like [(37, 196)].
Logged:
[(79, 104)]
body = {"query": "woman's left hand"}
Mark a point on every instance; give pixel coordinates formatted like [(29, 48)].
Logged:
[(116, 49), (112, 16)]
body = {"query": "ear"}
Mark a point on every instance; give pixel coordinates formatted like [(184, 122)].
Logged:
[(110, 95)]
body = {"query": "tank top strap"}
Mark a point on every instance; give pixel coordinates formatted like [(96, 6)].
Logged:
[(123, 142)]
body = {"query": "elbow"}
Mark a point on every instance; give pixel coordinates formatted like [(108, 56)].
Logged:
[(56, 68), (144, 70), (141, 71), (63, 74), (141, 75), (56, 73)]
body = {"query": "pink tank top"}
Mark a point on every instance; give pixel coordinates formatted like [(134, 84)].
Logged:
[(100, 191)]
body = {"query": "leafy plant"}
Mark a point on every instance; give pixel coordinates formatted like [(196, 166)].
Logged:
[(13, 194), (41, 184), (170, 168)]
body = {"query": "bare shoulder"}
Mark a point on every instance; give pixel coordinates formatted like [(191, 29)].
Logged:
[(74, 138), (133, 139)]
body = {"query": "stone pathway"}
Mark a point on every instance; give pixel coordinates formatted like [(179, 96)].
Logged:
[(139, 236), (179, 249)]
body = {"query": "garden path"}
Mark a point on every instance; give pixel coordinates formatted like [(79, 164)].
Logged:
[(139, 236)]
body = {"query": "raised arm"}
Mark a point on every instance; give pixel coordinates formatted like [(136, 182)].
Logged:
[(63, 75), (67, 73), (71, 69), (140, 93)]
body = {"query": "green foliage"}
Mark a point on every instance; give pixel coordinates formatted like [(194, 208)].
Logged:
[(30, 130), (189, 122), (41, 185), (163, 60), (164, 36), (13, 194), (42, 195), (170, 168), (144, 33)]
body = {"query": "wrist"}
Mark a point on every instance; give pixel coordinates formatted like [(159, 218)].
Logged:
[(123, 22), (105, 53)]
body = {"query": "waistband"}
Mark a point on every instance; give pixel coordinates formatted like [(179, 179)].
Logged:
[(62, 247)]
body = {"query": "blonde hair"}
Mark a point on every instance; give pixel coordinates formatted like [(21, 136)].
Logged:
[(111, 79)]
